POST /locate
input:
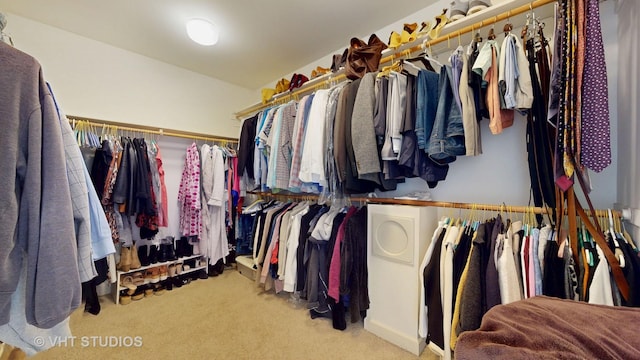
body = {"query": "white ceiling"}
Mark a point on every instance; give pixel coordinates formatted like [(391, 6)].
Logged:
[(259, 40)]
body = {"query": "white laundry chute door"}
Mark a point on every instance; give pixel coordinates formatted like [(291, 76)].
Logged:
[(398, 238)]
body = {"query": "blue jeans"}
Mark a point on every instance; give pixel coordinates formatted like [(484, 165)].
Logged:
[(426, 106), (447, 137)]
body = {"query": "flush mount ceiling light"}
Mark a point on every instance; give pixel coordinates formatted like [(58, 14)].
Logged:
[(202, 31)]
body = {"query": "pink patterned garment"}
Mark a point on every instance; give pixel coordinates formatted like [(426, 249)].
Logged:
[(189, 194)]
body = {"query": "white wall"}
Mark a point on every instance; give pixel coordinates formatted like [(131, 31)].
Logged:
[(500, 174), (96, 80), (628, 130)]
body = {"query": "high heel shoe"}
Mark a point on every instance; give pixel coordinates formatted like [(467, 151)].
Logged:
[(441, 21)]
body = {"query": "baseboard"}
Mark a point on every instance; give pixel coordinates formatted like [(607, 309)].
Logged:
[(414, 345)]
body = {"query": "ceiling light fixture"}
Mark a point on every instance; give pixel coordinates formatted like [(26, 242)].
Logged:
[(202, 31)]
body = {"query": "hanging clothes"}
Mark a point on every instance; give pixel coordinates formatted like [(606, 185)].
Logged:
[(189, 194), (213, 241)]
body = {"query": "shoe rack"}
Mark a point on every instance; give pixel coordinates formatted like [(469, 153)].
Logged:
[(145, 275)]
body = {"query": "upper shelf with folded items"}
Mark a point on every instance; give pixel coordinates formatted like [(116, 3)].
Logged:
[(416, 39)]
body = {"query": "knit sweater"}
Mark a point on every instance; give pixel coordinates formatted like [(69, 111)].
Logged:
[(35, 198)]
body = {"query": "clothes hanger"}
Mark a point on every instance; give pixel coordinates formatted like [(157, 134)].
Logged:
[(428, 54), (618, 252), (508, 26), (492, 35)]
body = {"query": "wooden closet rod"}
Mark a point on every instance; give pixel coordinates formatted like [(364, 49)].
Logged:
[(113, 125), (340, 75), (442, 204)]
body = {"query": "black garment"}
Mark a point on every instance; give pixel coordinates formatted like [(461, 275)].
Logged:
[(539, 143), (433, 298), (484, 234), (89, 288), (143, 197), (301, 273), (123, 181), (324, 250), (311, 262), (478, 86), (247, 146), (460, 257), (492, 294), (553, 279), (631, 273), (100, 168), (353, 264)]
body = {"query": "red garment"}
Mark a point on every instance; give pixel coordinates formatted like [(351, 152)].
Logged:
[(334, 267)]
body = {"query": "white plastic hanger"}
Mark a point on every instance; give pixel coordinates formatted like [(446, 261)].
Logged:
[(618, 252), (427, 54)]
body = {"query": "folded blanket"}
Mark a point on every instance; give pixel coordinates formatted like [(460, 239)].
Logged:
[(550, 328)]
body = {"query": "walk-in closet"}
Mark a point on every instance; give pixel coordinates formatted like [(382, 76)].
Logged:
[(449, 179)]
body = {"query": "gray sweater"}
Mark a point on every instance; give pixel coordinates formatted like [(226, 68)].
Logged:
[(36, 226)]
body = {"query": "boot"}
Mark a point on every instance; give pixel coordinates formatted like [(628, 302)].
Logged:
[(125, 259), (135, 261), (178, 243), (143, 255), (171, 254), (162, 253), (187, 248), (153, 254)]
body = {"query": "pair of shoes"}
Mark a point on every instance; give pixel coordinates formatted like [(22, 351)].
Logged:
[(441, 21), (159, 289), (319, 71), (409, 34), (425, 27), (166, 250), (183, 247), (125, 259), (339, 60), (202, 274), (143, 255), (477, 5), (152, 276), (267, 94), (282, 86), (135, 261), (139, 294), (168, 284), (127, 281), (458, 10), (297, 80), (176, 281), (138, 278), (153, 254), (163, 273), (125, 297)]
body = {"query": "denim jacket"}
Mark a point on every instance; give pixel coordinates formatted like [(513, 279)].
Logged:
[(447, 137)]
